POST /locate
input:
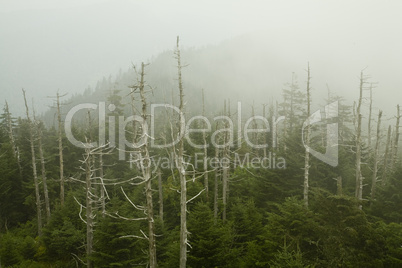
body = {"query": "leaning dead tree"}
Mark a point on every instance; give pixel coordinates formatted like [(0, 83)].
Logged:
[(307, 143), (10, 133), (35, 174)]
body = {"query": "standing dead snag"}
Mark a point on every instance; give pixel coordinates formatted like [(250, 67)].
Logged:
[(144, 163), (160, 188), (359, 178), (146, 172), (35, 174), (394, 150), (307, 143), (60, 151), (39, 126), (11, 137), (385, 164), (102, 186), (92, 199), (89, 211), (181, 167), (376, 148), (205, 150), (216, 189), (225, 168), (264, 105), (369, 118)]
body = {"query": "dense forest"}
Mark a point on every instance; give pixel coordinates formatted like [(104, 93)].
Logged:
[(151, 171)]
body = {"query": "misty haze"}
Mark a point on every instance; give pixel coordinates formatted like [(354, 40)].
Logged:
[(200, 134)]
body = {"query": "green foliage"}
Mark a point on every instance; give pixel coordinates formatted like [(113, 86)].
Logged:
[(210, 242), (64, 236), (267, 225), (347, 237), (389, 197)]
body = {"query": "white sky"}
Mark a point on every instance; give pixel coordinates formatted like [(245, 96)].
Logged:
[(68, 45)]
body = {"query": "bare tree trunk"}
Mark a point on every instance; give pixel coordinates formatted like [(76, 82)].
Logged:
[(89, 211), (44, 179), (225, 170), (102, 189), (160, 185), (359, 178), (375, 157), (394, 154), (264, 135), (60, 152), (369, 119), (205, 151), (216, 187), (35, 175), (386, 154), (12, 139), (292, 112), (255, 134), (146, 171), (182, 171), (307, 143)]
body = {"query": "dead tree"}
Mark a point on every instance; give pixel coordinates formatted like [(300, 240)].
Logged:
[(386, 155), (307, 143), (225, 165), (264, 135), (60, 140), (146, 172), (204, 138), (369, 118), (35, 175), (394, 150), (10, 133), (89, 203), (181, 167), (92, 199), (102, 187), (255, 133), (160, 189), (39, 126), (216, 187), (375, 156), (143, 160), (359, 178)]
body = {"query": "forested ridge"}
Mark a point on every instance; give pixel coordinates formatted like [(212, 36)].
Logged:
[(212, 198)]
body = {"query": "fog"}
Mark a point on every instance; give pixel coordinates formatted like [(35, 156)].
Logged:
[(48, 46)]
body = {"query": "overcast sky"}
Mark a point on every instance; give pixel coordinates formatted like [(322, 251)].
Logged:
[(46, 45)]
